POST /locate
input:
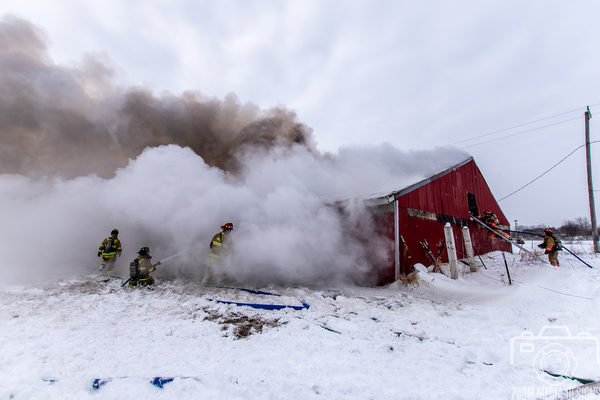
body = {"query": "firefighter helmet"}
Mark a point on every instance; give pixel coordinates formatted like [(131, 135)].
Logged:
[(227, 226), (144, 251), (488, 212), (114, 232), (548, 232)]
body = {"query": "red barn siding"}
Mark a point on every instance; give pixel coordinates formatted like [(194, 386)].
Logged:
[(424, 208)]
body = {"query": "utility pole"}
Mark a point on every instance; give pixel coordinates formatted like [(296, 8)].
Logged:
[(588, 158)]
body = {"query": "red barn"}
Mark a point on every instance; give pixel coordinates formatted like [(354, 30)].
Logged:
[(419, 212)]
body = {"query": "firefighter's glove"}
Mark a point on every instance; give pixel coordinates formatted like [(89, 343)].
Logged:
[(99, 254), (541, 246)]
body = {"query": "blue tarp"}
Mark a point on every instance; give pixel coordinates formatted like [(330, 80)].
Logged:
[(258, 305), (264, 306), (158, 381)]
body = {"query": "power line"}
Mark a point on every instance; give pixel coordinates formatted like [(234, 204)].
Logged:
[(520, 125), (512, 127), (520, 133), (551, 168)]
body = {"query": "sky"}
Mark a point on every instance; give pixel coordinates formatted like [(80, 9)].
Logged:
[(441, 339), (506, 82)]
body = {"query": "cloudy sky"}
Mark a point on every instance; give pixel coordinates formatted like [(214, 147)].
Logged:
[(507, 81)]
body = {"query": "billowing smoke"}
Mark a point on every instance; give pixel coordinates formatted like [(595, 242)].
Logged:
[(81, 155), (76, 121)]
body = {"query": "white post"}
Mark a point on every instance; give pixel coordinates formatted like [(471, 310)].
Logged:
[(469, 248), (451, 248)]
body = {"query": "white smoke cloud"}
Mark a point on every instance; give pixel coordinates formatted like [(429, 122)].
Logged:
[(81, 154), (169, 199)]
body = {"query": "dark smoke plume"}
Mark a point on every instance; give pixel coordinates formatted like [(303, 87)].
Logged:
[(73, 121)]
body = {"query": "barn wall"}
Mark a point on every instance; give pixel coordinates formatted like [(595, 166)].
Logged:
[(424, 211)]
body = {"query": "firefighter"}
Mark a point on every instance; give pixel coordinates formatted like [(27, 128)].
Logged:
[(218, 249), (140, 269), (110, 249), (490, 219), (551, 245)]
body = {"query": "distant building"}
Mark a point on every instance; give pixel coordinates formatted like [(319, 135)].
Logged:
[(420, 211)]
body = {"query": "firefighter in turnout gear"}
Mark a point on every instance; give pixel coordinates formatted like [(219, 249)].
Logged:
[(551, 245), (490, 219), (140, 269), (218, 248), (109, 250)]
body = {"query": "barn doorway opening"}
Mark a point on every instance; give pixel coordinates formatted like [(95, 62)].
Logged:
[(472, 204)]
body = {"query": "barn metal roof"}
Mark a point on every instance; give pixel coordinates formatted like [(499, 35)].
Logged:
[(388, 197)]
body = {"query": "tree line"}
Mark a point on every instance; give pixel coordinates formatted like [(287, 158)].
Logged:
[(570, 229)]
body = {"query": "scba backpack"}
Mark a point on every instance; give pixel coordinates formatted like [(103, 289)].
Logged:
[(557, 244), (133, 269), (110, 245)]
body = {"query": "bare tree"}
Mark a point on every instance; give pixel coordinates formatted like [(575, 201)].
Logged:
[(536, 229), (585, 225), (570, 229)]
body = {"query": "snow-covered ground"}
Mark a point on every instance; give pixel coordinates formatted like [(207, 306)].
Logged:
[(440, 339)]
